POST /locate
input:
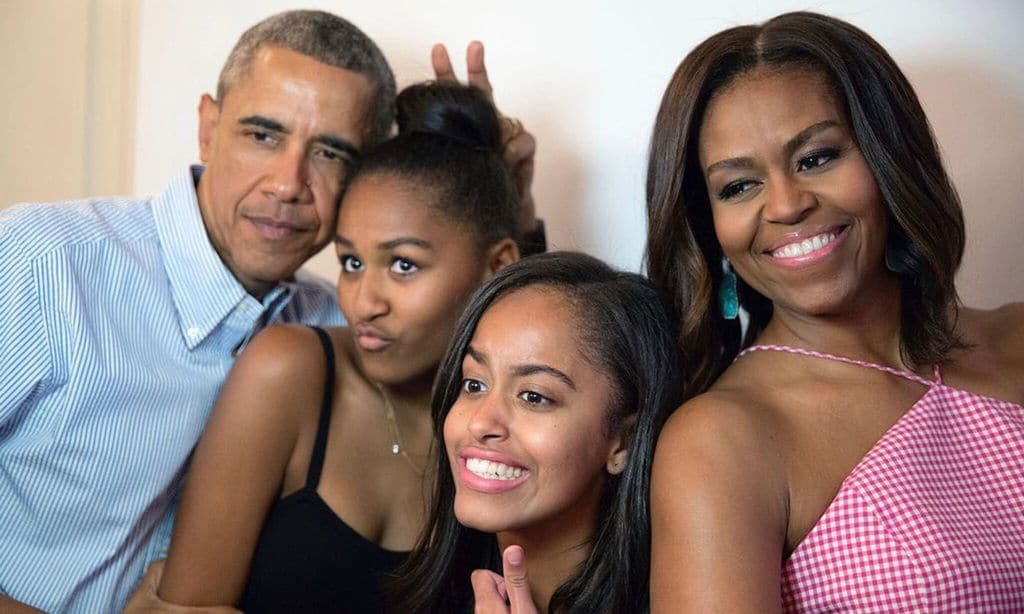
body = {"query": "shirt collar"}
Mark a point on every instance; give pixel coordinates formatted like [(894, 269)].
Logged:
[(204, 290)]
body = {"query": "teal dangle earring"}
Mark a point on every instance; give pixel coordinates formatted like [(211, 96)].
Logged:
[(728, 299)]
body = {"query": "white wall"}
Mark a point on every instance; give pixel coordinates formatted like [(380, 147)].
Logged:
[(68, 101), (586, 78)]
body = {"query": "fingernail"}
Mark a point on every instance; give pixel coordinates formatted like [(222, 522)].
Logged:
[(515, 556)]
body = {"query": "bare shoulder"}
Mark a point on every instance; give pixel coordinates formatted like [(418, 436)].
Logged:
[(278, 380), (718, 507), (282, 351), (1000, 329), (991, 361), (724, 427)]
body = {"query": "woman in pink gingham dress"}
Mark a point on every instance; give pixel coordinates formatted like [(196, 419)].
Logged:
[(865, 452)]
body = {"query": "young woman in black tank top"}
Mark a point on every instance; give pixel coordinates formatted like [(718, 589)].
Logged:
[(309, 484)]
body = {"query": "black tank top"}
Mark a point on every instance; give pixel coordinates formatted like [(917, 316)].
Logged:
[(307, 559)]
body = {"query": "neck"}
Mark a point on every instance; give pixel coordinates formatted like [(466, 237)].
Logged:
[(554, 550), (410, 401), (869, 329)]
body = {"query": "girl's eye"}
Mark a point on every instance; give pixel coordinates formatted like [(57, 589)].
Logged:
[(534, 398), (735, 189), (816, 159), (402, 266), (472, 386), (350, 264)]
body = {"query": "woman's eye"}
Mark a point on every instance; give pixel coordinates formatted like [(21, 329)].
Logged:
[(735, 189), (472, 386), (350, 264), (816, 159), (534, 398), (402, 266)]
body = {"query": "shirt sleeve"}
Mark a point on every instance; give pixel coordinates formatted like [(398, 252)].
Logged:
[(24, 350)]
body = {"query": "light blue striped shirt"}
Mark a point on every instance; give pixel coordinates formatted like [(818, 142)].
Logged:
[(119, 324)]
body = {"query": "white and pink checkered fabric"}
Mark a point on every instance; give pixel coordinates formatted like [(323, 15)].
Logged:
[(930, 520)]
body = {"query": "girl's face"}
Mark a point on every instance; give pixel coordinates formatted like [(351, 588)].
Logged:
[(796, 208), (406, 273), (527, 438)]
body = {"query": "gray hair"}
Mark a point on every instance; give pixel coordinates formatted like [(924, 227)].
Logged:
[(326, 38)]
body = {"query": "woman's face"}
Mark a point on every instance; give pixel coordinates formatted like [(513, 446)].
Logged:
[(406, 273), (527, 437), (796, 209)]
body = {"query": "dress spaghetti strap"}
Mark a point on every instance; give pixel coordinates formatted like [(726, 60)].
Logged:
[(316, 462), (850, 361)]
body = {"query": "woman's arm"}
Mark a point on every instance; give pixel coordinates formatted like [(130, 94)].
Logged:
[(718, 507), (239, 464)]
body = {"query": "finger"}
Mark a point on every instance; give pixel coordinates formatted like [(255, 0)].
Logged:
[(516, 583), (488, 592), (476, 70), (442, 64)]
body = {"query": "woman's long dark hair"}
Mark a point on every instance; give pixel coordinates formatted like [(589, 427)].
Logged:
[(625, 328), (926, 228)]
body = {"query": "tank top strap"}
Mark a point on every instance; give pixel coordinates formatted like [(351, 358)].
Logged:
[(316, 462), (850, 361)]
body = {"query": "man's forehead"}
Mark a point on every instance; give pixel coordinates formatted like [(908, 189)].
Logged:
[(287, 87)]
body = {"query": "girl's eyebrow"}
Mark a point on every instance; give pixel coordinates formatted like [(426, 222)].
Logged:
[(524, 370)]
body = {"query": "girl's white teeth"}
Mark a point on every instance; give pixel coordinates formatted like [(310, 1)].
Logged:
[(492, 471), (802, 248)]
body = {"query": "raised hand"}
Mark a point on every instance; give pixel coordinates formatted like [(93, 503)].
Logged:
[(518, 146), (505, 594)]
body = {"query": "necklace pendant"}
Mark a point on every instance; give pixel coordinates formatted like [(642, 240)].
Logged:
[(395, 448)]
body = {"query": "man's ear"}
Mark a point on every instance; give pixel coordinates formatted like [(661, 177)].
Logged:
[(621, 443), (209, 116), (500, 255)]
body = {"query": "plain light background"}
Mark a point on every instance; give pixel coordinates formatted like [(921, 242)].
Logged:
[(585, 77)]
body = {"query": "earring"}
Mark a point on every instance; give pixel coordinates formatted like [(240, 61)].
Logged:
[(728, 298)]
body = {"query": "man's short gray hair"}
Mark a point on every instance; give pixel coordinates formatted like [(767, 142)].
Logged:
[(326, 38)]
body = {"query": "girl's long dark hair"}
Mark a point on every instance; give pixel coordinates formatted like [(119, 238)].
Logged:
[(926, 227), (625, 328)]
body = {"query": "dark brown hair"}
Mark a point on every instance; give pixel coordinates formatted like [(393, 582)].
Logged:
[(624, 326), (926, 229)]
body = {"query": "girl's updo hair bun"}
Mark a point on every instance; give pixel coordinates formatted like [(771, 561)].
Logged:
[(449, 145), (451, 110)]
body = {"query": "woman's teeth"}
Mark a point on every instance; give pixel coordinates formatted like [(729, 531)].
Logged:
[(805, 247), (492, 471)]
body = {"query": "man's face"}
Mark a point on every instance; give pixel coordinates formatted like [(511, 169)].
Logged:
[(278, 150)]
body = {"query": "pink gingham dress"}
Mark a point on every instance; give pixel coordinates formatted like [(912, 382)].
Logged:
[(930, 520)]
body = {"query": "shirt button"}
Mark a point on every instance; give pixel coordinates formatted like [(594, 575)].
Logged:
[(192, 332)]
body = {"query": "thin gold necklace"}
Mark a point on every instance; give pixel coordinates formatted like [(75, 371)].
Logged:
[(396, 438)]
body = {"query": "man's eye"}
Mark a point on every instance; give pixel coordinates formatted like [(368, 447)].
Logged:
[(402, 266), (472, 386), (261, 137), (350, 264)]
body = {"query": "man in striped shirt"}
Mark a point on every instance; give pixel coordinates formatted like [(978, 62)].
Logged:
[(121, 318)]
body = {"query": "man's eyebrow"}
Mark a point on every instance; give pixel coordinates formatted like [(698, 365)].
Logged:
[(334, 142), (337, 143), (263, 122)]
